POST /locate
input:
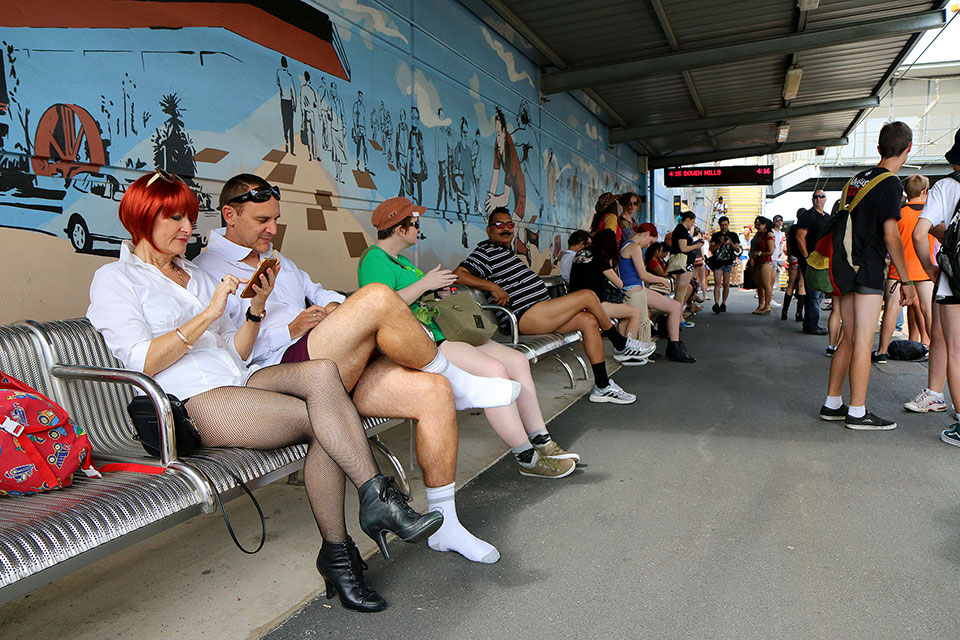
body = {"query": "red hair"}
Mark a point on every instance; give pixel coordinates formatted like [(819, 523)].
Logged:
[(648, 227), (142, 204)]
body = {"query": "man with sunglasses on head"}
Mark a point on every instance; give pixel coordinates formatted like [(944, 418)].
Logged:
[(809, 225), (494, 268), (303, 321)]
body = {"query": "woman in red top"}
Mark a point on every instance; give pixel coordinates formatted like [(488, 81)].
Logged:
[(761, 259)]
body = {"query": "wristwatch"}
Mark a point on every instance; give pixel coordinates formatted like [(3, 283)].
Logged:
[(253, 318)]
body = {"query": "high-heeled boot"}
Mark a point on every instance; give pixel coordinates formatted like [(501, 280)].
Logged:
[(342, 569), (384, 508)]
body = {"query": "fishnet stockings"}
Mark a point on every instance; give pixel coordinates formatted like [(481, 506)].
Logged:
[(287, 404)]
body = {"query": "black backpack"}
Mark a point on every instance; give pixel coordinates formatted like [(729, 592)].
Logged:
[(948, 258)]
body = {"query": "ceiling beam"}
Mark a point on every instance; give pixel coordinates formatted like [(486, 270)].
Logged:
[(560, 81), (733, 120), (746, 152)]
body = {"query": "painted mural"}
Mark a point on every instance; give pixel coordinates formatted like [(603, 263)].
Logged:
[(453, 121)]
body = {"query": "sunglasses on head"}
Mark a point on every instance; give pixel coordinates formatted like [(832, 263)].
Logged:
[(172, 178), (260, 194), (503, 225)]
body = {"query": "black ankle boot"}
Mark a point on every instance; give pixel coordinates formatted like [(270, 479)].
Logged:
[(800, 302), (677, 352), (342, 568), (384, 508), (786, 306)]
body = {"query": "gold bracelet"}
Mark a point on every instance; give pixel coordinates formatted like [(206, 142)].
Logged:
[(184, 339)]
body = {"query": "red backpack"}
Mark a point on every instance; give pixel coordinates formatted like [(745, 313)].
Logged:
[(40, 446)]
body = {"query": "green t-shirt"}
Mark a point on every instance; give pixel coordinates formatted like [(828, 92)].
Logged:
[(376, 265)]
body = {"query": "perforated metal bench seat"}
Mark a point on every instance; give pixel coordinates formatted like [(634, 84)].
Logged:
[(46, 536)]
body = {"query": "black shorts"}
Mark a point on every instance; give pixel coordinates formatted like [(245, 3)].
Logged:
[(948, 300)]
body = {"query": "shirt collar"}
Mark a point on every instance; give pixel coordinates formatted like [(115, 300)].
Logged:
[(226, 249)]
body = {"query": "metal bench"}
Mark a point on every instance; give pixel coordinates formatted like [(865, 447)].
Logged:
[(46, 536), (536, 346)]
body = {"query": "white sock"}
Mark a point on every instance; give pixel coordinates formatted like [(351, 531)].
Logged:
[(473, 392), (452, 536), (857, 412), (524, 450), (938, 396), (833, 402)]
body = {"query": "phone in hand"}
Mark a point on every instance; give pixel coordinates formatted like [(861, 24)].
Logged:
[(266, 263)]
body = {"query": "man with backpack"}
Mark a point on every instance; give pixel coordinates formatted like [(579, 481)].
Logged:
[(872, 232), (943, 207)]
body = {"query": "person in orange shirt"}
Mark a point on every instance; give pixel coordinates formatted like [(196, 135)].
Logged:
[(921, 311)]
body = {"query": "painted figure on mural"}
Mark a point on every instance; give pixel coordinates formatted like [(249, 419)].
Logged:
[(375, 126), (308, 131), (461, 168), (418, 162), (403, 155), (443, 165), (288, 103), (338, 131), (553, 178), (386, 132), (325, 115), (477, 171), (359, 132), (528, 149)]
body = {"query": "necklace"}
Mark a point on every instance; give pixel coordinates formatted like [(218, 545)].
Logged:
[(177, 270)]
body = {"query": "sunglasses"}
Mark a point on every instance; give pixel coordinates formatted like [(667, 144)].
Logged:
[(172, 178), (818, 197), (260, 194), (415, 224), (503, 225)]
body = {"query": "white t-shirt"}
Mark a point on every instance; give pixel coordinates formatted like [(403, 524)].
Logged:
[(941, 203), (565, 264), (777, 245)]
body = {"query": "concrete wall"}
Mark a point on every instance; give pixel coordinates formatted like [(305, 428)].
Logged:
[(402, 98)]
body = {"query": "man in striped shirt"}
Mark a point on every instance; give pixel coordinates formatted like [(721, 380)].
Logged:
[(508, 281)]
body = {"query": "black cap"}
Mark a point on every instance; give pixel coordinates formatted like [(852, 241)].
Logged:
[(953, 155)]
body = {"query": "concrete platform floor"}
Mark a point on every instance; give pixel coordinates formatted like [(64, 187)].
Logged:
[(191, 582), (719, 506)]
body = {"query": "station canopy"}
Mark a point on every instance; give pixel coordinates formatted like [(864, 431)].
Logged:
[(693, 81)]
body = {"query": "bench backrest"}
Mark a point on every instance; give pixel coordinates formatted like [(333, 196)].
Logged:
[(22, 356), (76, 342)]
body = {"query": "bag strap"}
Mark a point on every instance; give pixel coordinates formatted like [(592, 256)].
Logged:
[(41, 464), (151, 469), (861, 194)]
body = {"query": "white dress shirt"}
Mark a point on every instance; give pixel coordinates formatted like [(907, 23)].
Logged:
[(287, 300), (565, 264), (132, 302)]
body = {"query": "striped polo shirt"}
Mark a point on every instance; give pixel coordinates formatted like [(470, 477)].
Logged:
[(500, 265)]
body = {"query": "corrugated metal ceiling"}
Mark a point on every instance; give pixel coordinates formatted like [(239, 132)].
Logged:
[(588, 34)]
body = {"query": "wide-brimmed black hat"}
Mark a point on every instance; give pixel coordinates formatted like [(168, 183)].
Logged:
[(953, 156)]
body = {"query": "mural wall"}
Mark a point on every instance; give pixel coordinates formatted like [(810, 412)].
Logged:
[(418, 98)]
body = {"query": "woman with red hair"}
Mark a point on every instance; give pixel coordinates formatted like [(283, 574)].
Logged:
[(634, 273), (162, 315)]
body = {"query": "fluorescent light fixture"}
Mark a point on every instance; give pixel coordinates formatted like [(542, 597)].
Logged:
[(808, 5), (783, 130), (791, 83)]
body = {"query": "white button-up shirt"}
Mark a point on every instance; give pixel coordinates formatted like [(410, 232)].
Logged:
[(286, 301), (132, 302)]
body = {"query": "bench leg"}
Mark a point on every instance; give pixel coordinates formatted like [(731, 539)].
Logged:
[(397, 466), (583, 365), (566, 367)]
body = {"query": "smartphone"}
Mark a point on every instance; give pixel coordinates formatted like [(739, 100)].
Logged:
[(266, 263)]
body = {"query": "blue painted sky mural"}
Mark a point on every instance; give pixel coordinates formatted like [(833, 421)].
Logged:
[(422, 99)]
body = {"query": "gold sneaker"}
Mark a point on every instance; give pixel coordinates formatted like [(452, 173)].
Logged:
[(553, 450), (549, 468)]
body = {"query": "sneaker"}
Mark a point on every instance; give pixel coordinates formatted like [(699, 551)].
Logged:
[(627, 354), (878, 357), (549, 468), (924, 402), (951, 436), (686, 324), (869, 422), (715, 308), (612, 393), (635, 362), (833, 415), (723, 307), (830, 351), (641, 346), (553, 450)]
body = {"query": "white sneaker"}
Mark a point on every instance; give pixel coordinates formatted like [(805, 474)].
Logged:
[(629, 354), (612, 393), (637, 362), (641, 345), (925, 401)]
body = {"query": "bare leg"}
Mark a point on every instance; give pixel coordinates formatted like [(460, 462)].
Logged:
[(726, 286), (925, 297), (548, 316), (387, 389), (683, 286), (840, 364), (866, 312), (518, 368), (718, 287), (669, 306), (891, 309), (950, 322), (937, 366), (625, 312), (834, 325)]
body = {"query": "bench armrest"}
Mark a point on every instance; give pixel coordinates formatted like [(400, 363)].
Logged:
[(168, 441), (514, 325)]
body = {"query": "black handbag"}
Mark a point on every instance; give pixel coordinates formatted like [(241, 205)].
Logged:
[(147, 424)]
